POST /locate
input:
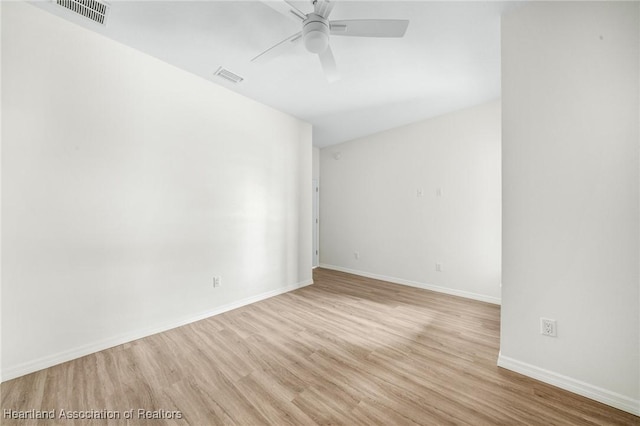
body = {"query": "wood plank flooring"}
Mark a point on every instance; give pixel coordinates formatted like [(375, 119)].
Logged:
[(347, 351)]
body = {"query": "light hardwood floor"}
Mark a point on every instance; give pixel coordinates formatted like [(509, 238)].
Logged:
[(346, 350)]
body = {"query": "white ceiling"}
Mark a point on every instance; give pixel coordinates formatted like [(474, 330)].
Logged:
[(449, 58)]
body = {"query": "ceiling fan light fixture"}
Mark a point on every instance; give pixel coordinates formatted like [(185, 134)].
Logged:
[(315, 33), (316, 42), (316, 30)]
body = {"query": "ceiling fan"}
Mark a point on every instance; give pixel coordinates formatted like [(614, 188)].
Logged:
[(316, 29)]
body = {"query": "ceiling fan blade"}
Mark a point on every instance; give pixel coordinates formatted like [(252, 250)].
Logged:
[(369, 27), (286, 9), (329, 66), (324, 7), (278, 49)]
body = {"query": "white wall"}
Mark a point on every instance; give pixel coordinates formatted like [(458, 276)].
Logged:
[(570, 83), (0, 191), (315, 175), (370, 204), (315, 169), (127, 185)]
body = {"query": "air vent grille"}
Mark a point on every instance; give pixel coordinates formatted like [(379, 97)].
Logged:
[(228, 75), (92, 9)]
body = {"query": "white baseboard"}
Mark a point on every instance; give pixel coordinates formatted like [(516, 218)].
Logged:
[(439, 289), (71, 354), (596, 393)]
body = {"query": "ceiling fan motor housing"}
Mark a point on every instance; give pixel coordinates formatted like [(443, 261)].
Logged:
[(315, 31)]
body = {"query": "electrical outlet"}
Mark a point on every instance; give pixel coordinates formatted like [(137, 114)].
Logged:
[(548, 327), (439, 267), (356, 255), (216, 281)]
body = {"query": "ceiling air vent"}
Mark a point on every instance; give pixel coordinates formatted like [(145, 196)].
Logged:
[(228, 75), (92, 9)]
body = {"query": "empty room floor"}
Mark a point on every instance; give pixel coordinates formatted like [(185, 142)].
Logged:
[(346, 350)]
